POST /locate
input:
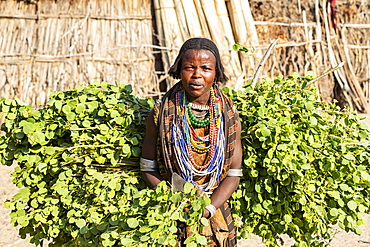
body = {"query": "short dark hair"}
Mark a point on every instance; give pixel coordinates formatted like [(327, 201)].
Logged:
[(199, 44)]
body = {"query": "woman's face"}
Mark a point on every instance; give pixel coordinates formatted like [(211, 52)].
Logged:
[(198, 71)]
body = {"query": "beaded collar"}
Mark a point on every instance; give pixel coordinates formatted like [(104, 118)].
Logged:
[(199, 107)]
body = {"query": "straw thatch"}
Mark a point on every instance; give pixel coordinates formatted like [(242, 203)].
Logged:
[(52, 45), (316, 36), (179, 20)]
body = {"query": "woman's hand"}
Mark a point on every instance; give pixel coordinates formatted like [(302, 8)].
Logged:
[(206, 213)]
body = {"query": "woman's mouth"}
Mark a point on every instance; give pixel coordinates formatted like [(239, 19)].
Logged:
[(196, 86)]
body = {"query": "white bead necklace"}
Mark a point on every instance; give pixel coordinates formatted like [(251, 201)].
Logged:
[(199, 107)]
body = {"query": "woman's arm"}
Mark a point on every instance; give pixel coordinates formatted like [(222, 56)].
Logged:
[(223, 192), (149, 151)]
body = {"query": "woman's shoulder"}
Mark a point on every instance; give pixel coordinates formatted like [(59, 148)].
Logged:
[(156, 109)]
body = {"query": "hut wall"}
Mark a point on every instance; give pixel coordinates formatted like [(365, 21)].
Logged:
[(317, 36), (48, 45), (51, 45)]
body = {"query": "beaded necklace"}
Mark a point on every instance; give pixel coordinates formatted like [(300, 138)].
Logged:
[(195, 122), (199, 107), (202, 115), (186, 141)]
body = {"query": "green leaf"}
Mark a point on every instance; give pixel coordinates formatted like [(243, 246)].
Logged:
[(70, 116), (202, 240), (58, 104), (11, 116), (132, 222), (23, 221), (333, 212), (80, 223), (204, 221), (261, 100), (188, 187), (236, 47), (145, 229), (27, 127), (127, 241), (80, 108), (265, 131), (309, 106), (352, 205), (39, 137), (287, 218), (349, 157), (306, 167), (344, 187), (257, 208), (313, 121), (126, 149), (66, 109), (42, 167)]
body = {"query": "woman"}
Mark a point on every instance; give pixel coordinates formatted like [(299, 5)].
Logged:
[(195, 132)]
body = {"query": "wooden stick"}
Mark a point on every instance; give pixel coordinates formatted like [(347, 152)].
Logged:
[(327, 72), (354, 25), (294, 24), (332, 58), (267, 54)]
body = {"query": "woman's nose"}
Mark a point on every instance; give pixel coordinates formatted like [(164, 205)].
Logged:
[(196, 72)]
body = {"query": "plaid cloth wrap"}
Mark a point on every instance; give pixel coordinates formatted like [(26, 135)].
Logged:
[(165, 113)]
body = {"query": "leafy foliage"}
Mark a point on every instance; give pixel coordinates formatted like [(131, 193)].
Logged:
[(305, 168), (306, 163), (78, 172), (249, 51)]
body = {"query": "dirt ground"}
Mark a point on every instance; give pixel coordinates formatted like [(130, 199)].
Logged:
[(9, 235)]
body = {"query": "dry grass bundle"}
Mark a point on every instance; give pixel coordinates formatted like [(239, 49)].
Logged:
[(53, 45), (313, 38), (209, 19)]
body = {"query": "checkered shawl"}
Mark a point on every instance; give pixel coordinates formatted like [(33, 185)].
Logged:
[(165, 114)]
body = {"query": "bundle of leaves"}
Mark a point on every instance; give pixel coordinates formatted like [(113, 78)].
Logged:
[(77, 170), (305, 168), (306, 164)]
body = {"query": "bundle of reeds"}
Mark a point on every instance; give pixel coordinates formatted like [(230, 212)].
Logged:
[(53, 45), (316, 36), (208, 19)]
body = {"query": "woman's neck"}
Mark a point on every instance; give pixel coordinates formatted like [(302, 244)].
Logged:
[(201, 100)]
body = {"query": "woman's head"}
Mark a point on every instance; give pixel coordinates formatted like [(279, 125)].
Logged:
[(198, 44)]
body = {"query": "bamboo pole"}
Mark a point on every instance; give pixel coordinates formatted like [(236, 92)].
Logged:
[(202, 19), (192, 19), (239, 72), (239, 26), (219, 35), (181, 19)]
